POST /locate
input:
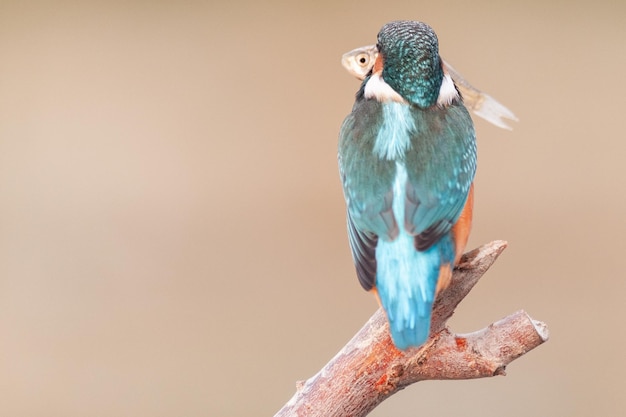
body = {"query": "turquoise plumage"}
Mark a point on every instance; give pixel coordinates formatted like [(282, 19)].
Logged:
[(407, 158)]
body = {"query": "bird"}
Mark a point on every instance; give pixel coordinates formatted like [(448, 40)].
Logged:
[(407, 160), (359, 63)]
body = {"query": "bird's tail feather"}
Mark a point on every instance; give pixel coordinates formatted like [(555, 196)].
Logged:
[(407, 283)]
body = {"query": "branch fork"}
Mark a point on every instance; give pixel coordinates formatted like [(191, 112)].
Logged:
[(369, 368)]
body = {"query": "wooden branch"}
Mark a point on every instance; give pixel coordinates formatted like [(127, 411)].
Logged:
[(369, 368)]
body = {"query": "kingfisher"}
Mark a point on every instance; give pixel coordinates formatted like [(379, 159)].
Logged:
[(407, 160)]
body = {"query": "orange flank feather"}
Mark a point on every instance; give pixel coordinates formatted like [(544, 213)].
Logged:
[(445, 275), (460, 235), (375, 292), (461, 229)]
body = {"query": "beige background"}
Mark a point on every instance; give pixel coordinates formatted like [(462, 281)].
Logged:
[(172, 238)]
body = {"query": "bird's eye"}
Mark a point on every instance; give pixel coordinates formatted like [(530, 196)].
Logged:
[(363, 59)]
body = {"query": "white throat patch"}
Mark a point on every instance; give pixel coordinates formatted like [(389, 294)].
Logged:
[(447, 92), (377, 88)]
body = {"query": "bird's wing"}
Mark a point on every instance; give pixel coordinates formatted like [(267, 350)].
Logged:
[(440, 170), (368, 188), (363, 247)]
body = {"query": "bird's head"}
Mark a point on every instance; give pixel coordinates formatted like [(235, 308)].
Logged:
[(408, 61)]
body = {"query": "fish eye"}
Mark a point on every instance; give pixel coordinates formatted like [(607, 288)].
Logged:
[(363, 59)]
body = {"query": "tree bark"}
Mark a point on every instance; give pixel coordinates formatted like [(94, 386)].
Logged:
[(370, 369)]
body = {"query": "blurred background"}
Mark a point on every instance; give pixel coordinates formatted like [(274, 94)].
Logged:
[(172, 237)]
